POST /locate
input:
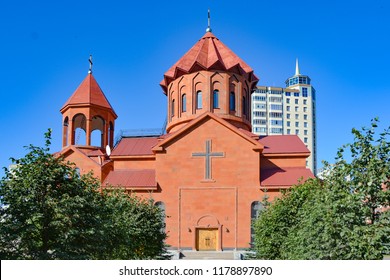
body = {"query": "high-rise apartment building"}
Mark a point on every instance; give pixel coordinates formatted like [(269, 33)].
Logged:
[(289, 110)]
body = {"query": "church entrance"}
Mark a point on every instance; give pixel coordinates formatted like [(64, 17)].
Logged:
[(206, 239)]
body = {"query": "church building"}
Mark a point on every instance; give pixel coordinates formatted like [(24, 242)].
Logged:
[(208, 172)]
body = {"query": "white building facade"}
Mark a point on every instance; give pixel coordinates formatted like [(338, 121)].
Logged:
[(290, 110)]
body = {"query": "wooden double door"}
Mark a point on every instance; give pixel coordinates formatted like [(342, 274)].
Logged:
[(206, 239)]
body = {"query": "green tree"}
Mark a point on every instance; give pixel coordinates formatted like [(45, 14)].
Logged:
[(134, 227), (49, 211), (340, 217)]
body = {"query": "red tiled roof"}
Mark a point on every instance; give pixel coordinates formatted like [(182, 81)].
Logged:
[(250, 134), (284, 176), (96, 152), (134, 178), (283, 144), (88, 92), (135, 146), (208, 53)]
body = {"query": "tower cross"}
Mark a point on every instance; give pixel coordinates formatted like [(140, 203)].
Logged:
[(90, 64), (208, 156), (208, 21)]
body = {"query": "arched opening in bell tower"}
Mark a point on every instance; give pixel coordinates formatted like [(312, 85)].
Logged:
[(65, 129), (79, 130), (111, 134), (97, 134)]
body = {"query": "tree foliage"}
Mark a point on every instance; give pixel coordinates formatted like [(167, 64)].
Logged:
[(49, 211), (341, 217), (134, 229)]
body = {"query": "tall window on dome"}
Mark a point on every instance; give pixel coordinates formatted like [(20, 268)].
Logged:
[(199, 99), (232, 101), (184, 103), (173, 108), (244, 106), (216, 99)]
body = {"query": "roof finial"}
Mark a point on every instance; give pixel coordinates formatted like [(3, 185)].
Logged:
[(297, 68), (90, 64), (208, 22)]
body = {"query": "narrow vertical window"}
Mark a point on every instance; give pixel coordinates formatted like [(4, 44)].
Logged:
[(256, 208), (77, 171), (161, 206), (65, 132), (216, 99), (232, 101), (244, 109), (184, 103), (199, 100), (173, 108)]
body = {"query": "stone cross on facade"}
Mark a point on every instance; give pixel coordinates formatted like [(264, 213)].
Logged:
[(208, 156)]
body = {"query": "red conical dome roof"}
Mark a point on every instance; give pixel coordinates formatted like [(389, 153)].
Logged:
[(209, 53), (88, 93)]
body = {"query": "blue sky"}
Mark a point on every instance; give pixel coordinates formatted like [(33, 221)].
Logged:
[(44, 48)]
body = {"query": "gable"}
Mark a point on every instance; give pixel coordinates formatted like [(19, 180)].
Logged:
[(208, 150), (200, 121), (84, 160)]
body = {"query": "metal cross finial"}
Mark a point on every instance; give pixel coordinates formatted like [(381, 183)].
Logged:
[(208, 22), (90, 64)]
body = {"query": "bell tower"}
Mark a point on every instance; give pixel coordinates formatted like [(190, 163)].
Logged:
[(88, 113)]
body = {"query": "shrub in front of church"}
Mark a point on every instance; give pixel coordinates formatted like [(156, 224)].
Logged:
[(49, 211), (343, 216)]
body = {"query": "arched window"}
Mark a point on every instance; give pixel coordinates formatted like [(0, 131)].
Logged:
[(161, 206), (184, 103), (232, 101), (256, 208), (244, 106), (173, 107), (199, 99), (65, 132), (216, 99), (77, 171)]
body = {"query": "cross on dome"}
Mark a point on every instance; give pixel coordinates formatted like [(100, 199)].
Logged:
[(90, 64), (208, 29)]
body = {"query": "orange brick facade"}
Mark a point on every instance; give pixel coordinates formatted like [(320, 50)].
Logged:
[(223, 201), (209, 170)]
